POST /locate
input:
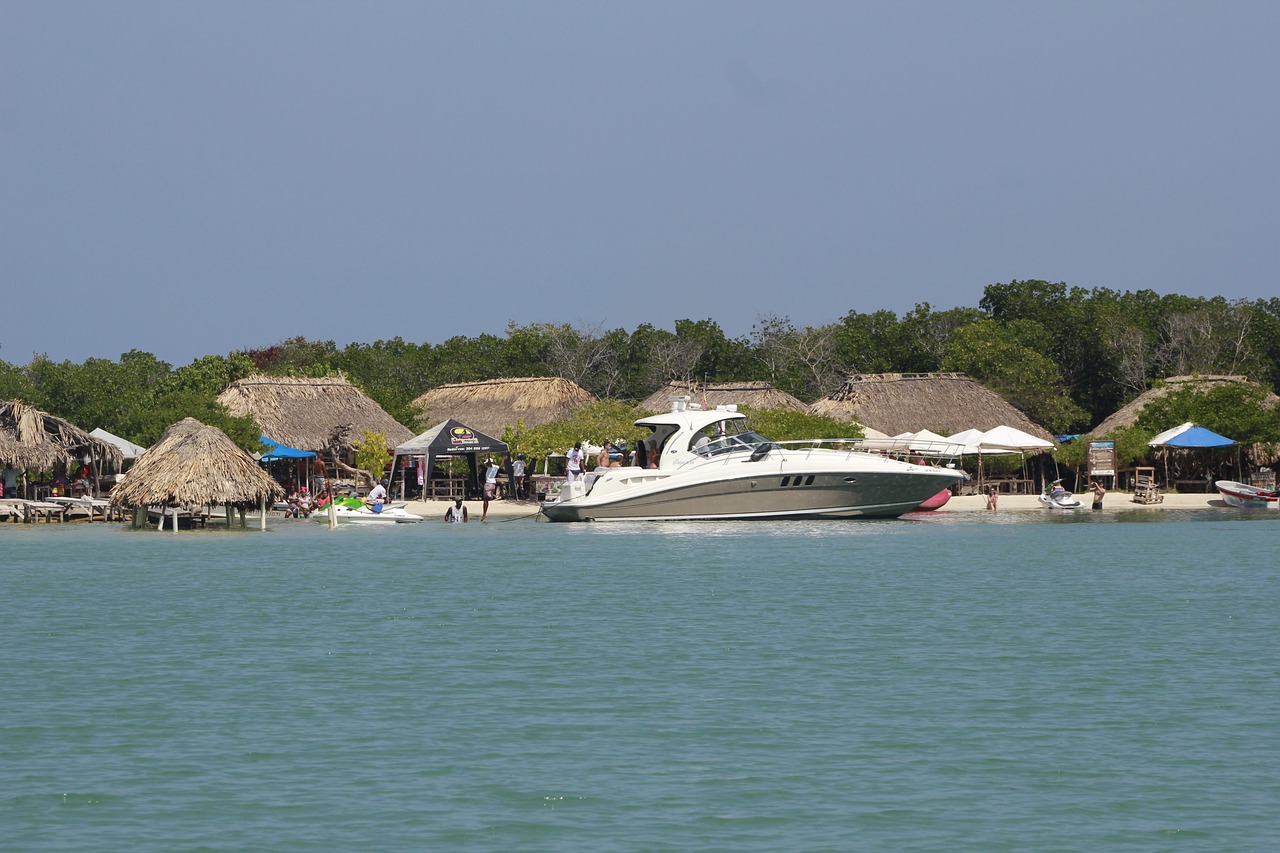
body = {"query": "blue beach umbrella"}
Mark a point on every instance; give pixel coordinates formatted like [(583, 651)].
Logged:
[(279, 451), (1186, 437), (1190, 435)]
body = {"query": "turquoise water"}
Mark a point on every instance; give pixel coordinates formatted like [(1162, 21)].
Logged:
[(1021, 682)]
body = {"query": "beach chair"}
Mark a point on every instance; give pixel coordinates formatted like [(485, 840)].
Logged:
[(1145, 491)]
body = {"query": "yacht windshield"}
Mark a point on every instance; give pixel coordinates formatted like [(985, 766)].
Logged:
[(729, 441)]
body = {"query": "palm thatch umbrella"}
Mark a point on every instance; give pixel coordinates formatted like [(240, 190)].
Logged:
[(34, 440), (491, 405), (946, 403), (757, 395), (194, 465)]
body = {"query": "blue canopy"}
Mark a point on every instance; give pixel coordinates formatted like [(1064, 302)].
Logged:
[(279, 451), (1190, 435)]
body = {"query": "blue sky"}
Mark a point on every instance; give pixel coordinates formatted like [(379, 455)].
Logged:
[(195, 177)]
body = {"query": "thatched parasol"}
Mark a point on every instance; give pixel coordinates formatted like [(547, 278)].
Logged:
[(757, 395), (303, 413), (34, 440), (195, 465), (946, 403), (1129, 413), (497, 403)]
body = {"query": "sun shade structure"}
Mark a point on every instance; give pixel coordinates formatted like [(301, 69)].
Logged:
[(449, 438), (947, 403), (278, 451), (1007, 438), (305, 413), (495, 404), (756, 395), (1190, 435), (195, 465), (34, 440), (128, 450)]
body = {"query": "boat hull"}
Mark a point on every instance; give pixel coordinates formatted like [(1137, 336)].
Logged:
[(763, 495), (1245, 496)]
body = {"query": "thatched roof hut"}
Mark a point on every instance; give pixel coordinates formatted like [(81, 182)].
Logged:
[(946, 403), (1128, 414), (757, 395), (34, 440), (195, 465), (496, 403), (305, 413)]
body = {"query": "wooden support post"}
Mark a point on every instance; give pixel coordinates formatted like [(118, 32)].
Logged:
[(231, 514)]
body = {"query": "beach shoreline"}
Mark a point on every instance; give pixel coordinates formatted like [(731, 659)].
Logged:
[(1114, 501)]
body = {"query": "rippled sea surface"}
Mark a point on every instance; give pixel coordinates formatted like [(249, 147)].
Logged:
[(954, 682)]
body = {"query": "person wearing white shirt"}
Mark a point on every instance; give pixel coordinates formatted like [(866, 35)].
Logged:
[(517, 476), (377, 496), (573, 465), (490, 485)]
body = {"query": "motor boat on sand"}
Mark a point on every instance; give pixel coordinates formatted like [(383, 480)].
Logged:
[(1056, 497), (699, 465), (354, 511), (1245, 496)]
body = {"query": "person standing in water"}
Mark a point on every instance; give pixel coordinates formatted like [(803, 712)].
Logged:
[(1098, 492), (457, 512)]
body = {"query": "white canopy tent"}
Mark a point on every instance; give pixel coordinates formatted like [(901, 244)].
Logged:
[(128, 449), (997, 441), (1009, 438), (929, 443)]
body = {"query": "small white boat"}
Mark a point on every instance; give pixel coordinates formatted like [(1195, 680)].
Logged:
[(1246, 497), (392, 513), (1059, 498)]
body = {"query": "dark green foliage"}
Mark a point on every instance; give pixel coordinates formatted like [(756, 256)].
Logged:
[(1236, 411), (1067, 356), (1131, 447), (785, 425)]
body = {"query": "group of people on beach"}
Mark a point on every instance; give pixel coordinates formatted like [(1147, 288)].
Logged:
[(993, 496)]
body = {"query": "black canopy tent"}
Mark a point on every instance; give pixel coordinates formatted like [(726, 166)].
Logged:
[(448, 438)]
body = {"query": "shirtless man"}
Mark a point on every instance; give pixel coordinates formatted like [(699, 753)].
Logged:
[(1098, 492)]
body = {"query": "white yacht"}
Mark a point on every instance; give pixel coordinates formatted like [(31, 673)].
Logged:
[(710, 466)]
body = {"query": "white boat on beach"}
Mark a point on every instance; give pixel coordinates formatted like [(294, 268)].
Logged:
[(1245, 496), (392, 513), (1059, 498), (710, 466)]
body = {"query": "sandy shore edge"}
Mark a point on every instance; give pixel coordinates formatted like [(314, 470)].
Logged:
[(1113, 502)]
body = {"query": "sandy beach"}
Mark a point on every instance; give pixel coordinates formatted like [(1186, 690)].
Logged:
[(1114, 501)]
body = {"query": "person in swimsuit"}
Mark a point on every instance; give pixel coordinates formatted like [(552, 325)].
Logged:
[(1098, 492)]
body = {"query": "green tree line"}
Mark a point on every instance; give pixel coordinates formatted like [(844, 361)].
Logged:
[(1065, 355)]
